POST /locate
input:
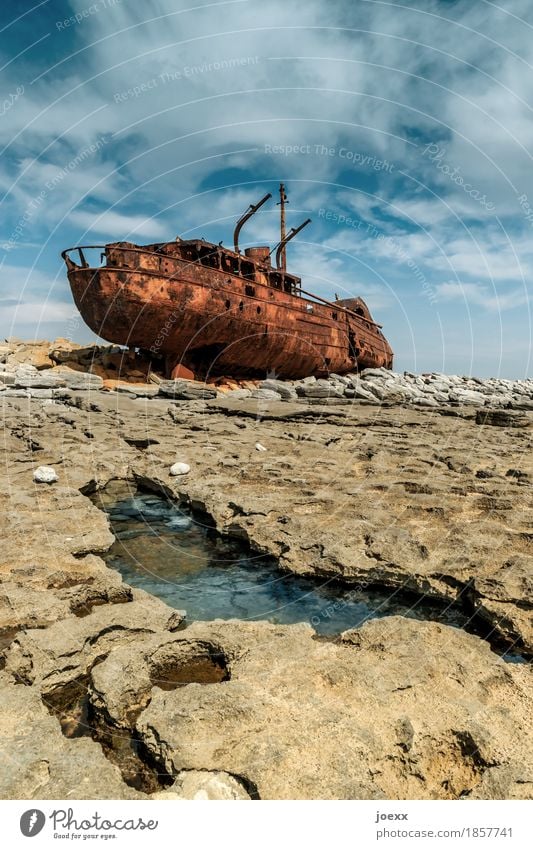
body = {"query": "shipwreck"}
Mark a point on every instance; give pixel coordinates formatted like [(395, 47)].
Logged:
[(205, 309)]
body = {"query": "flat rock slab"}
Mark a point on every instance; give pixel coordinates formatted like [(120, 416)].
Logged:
[(362, 718), (424, 500), (186, 390)]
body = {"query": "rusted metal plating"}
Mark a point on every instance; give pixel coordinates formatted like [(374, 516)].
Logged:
[(218, 311)]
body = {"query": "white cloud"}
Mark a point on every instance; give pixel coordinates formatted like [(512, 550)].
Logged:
[(38, 312), (325, 272), (359, 75), (33, 298), (116, 224), (479, 295)]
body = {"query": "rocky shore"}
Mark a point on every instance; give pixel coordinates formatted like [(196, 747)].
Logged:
[(416, 484), (49, 372)]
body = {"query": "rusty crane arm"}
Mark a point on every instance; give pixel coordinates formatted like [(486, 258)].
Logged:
[(280, 252), (252, 209)]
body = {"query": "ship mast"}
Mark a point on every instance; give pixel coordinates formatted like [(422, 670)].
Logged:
[(282, 201)]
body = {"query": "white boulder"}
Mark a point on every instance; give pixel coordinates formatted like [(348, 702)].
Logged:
[(45, 474), (180, 469)]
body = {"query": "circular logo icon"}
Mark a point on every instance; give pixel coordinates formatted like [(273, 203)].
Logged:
[(32, 822)]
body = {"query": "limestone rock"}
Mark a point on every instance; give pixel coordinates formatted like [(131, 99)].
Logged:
[(79, 379), (369, 373), (359, 719), (401, 498), (45, 474), (138, 390), (44, 764), (186, 390), (56, 656), (283, 388), (180, 469), (37, 380), (204, 784), (265, 395), (319, 389), (501, 418)]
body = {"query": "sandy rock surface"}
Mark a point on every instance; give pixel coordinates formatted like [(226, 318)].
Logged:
[(434, 500)]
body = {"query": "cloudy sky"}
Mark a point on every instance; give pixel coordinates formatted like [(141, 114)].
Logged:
[(404, 130)]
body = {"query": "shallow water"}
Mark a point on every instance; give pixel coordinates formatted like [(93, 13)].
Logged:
[(166, 550)]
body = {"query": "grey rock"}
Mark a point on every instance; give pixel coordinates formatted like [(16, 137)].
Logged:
[(340, 378), (335, 401), (81, 380), (238, 393), (318, 389), (467, 396), (36, 380), (186, 390), (517, 404), (134, 390), (283, 388), (426, 402), (501, 418), (265, 395), (379, 391), (374, 372), (41, 393), (364, 393)]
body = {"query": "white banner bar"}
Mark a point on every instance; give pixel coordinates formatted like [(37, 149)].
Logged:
[(232, 825)]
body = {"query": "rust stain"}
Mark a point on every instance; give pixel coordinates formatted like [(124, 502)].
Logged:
[(213, 311)]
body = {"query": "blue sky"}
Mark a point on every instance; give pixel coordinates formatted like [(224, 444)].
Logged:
[(405, 131)]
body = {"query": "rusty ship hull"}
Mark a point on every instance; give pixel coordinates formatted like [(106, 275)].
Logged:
[(212, 310), (215, 321)]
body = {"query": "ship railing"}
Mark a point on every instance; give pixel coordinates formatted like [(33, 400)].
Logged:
[(79, 249), (339, 308)]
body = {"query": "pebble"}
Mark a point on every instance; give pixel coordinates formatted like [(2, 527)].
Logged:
[(259, 447), (180, 469), (45, 474)]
